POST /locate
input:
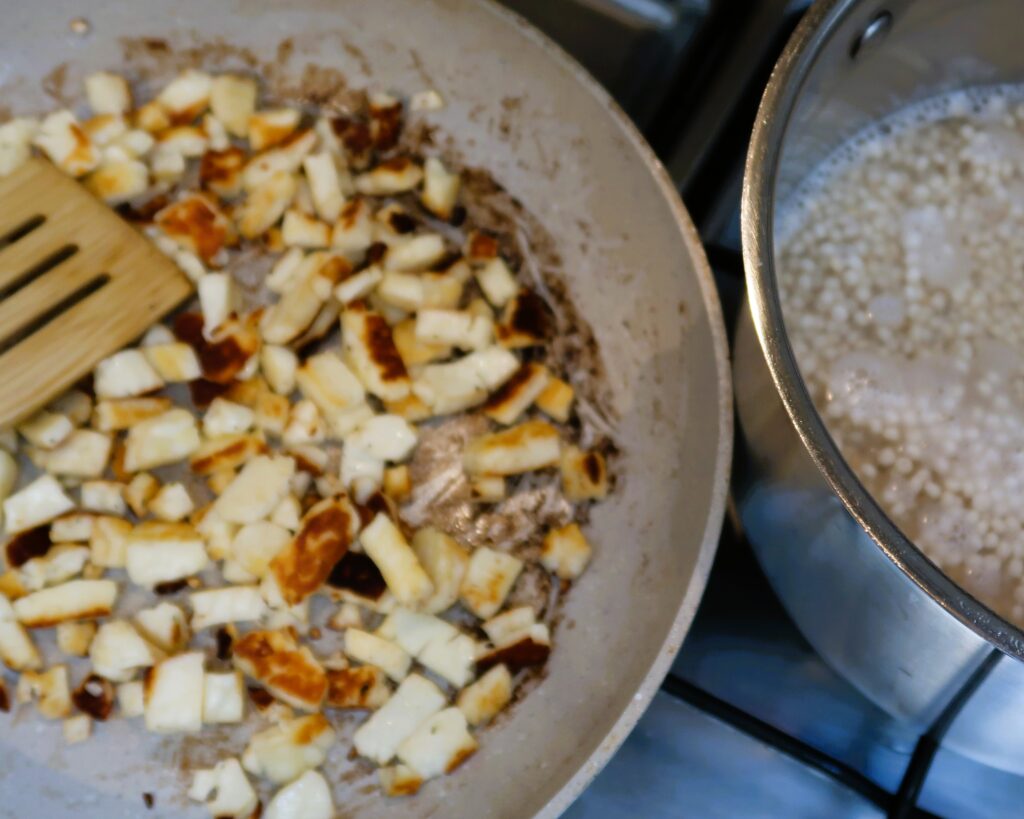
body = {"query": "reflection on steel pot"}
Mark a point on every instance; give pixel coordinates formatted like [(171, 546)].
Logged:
[(871, 604)]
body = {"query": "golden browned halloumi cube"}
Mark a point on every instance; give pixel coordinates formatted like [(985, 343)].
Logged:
[(325, 534), (390, 177), (374, 650), (483, 700), (413, 350), (287, 670), (119, 181), (49, 689), (584, 474), (266, 204), (556, 400), (108, 541), (565, 552), (524, 448), (399, 780), (198, 225), (17, 651), (525, 322), (187, 95), (62, 138), (300, 230), (174, 694), (444, 561), (139, 491), (221, 171), (272, 127), (165, 626), (226, 452), (362, 687), (386, 547), (353, 232), (285, 751), (480, 247), (369, 349), (489, 578), (75, 638), (397, 482), (74, 600), (413, 254), (122, 413), (440, 188), (516, 395)]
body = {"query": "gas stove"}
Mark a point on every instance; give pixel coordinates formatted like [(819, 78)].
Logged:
[(750, 722)]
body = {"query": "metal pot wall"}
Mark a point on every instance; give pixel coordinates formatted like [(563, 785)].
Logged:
[(870, 603)]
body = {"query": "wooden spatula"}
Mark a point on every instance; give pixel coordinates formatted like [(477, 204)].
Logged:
[(77, 283)]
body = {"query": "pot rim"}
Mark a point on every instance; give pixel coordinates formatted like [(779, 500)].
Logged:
[(757, 226)]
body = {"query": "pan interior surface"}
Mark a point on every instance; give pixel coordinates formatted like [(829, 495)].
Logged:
[(633, 268)]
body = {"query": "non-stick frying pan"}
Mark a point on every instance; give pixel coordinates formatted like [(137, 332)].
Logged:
[(633, 267)]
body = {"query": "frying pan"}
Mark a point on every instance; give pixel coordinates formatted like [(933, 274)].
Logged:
[(631, 264)]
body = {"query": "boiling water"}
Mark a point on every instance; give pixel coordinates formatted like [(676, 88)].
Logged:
[(901, 267)]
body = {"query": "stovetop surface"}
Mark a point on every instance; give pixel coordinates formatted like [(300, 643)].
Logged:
[(751, 722)]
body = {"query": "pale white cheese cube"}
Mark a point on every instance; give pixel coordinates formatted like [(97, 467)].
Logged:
[(289, 749), (117, 651), (125, 373), (41, 501), (413, 703), (232, 604), (439, 745), (386, 547), (308, 797), (174, 692), (489, 578), (376, 651), (223, 697)]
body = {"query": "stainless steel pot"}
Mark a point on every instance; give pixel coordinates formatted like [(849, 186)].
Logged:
[(631, 263), (870, 603)]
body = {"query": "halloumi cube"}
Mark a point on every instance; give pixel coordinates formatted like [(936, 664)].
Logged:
[(272, 127), (458, 385), (454, 328), (497, 282), (8, 477), (406, 291), (369, 349), (84, 454), (414, 350), (259, 488), (256, 544), (168, 165), (163, 553), (103, 496), (123, 413), (232, 604), (584, 474), (300, 230), (74, 527), (440, 188), (525, 321), (225, 790), (426, 100), (223, 697), (174, 693), (198, 225), (305, 425), (287, 670), (390, 177), (287, 514), (221, 171), (117, 651), (118, 181), (46, 429), (524, 448), (376, 651), (488, 488), (108, 541), (384, 544), (285, 751), (358, 687), (124, 374), (164, 439), (151, 117), (324, 185), (302, 302), (108, 93), (489, 578), (308, 797), (279, 366), (17, 651), (139, 491), (482, 700), (225, 417), (63, 140), (565, 552), (353, 232), (50, 690), (529, 648), (76, 729), (397, 482), (439, 745), (385, 437), (233, 101), (415, 253), (16, 138), (399, 780), (131, 699), (39, 502), (218, 300), (60, 563), (326, 532), (445, 562), (165, 626), (416, 700), (75, 405), (517, 394), (187, 95), (507, 627), (226, 452), (75, 638), (266, 204), (325, 380)]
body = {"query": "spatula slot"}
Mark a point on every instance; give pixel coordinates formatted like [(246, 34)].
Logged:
[(37, 270), (22, 230), (39, 322)]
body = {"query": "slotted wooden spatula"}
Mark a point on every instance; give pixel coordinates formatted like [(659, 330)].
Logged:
[(77, 283)]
